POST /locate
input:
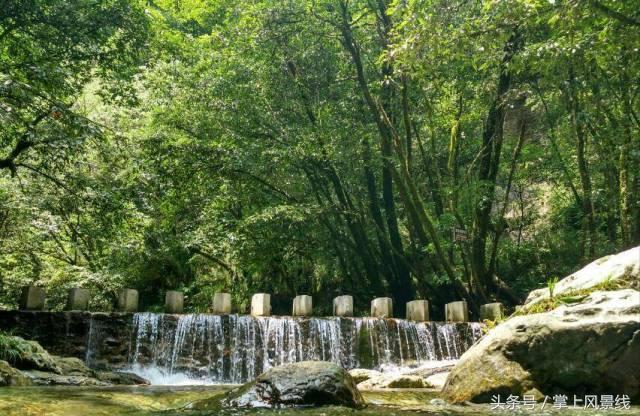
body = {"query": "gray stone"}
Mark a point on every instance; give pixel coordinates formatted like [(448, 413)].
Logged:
[(128, 300), (77, 299), (491, 312), (306, 383), (592, 347), (622, 269), (418, 310), (42, 378), (302, 305), (343, 306), (222, 303), (72, 366), (456, 311), (174, 302), (261, 304), (120, 378), (32, 298), (382, 308)]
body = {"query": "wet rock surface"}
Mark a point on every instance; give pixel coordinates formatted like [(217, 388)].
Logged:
[(307, 383)]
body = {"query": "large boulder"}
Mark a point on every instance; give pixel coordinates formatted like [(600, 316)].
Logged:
[(588, 348), (307, 383), (621, 270)]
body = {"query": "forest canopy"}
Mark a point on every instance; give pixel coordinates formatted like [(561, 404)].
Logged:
[(430, 149)]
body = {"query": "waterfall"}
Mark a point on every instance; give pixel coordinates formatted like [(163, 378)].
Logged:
[(236, 348)]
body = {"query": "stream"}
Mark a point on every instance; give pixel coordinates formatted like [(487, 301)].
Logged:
[(173, 400)]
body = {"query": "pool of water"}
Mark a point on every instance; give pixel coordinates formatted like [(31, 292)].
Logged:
[(174, 400)]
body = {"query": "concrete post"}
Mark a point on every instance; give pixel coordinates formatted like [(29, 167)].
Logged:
[(261, 304), (343, 305), (128, 300), (174, 302), (77, 299), (418, 310), (32, 298), (222, 303), (382, 308), (491, 311), (302, 305), (456, 311)]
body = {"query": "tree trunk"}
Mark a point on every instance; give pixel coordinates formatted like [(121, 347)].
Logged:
[(488, 171), (589, 224)]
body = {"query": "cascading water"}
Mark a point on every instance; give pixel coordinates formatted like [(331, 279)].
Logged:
[(235, 348)]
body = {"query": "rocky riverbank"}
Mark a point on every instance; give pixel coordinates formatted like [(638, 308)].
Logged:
[(29, 364), (581, 338)]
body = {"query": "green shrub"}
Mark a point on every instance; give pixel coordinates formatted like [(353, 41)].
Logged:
[(12, 349)]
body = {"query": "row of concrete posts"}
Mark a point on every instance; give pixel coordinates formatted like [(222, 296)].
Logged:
[(33, 298)]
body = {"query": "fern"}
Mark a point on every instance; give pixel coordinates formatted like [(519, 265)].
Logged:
[(12, 349)]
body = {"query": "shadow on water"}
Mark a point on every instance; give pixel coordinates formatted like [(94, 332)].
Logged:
[(173, 400)]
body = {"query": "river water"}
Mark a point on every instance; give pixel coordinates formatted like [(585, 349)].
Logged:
[(168, 401)]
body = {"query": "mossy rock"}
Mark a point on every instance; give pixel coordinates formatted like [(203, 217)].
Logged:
[(10, 376), (27, 355)]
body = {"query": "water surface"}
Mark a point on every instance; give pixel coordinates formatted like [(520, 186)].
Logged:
[(173, 400)]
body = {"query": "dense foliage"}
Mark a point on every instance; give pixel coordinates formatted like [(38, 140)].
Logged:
[(418, 149)]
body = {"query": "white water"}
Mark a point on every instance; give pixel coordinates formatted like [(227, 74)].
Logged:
[(231, 349)]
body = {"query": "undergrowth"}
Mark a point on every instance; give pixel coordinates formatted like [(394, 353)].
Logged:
[(12, 349)]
